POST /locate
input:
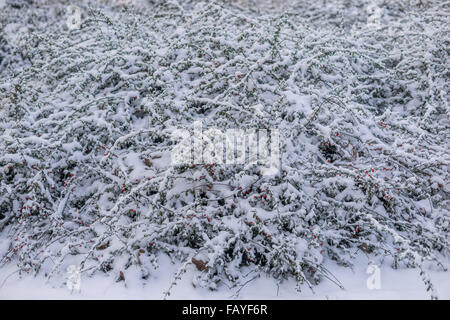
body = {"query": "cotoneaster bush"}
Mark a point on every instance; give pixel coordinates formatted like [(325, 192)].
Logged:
[(87, 117)]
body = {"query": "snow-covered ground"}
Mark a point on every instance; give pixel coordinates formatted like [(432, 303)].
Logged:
[(394, 284)]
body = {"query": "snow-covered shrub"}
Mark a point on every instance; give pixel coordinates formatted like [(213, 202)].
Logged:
[(87, 118)]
